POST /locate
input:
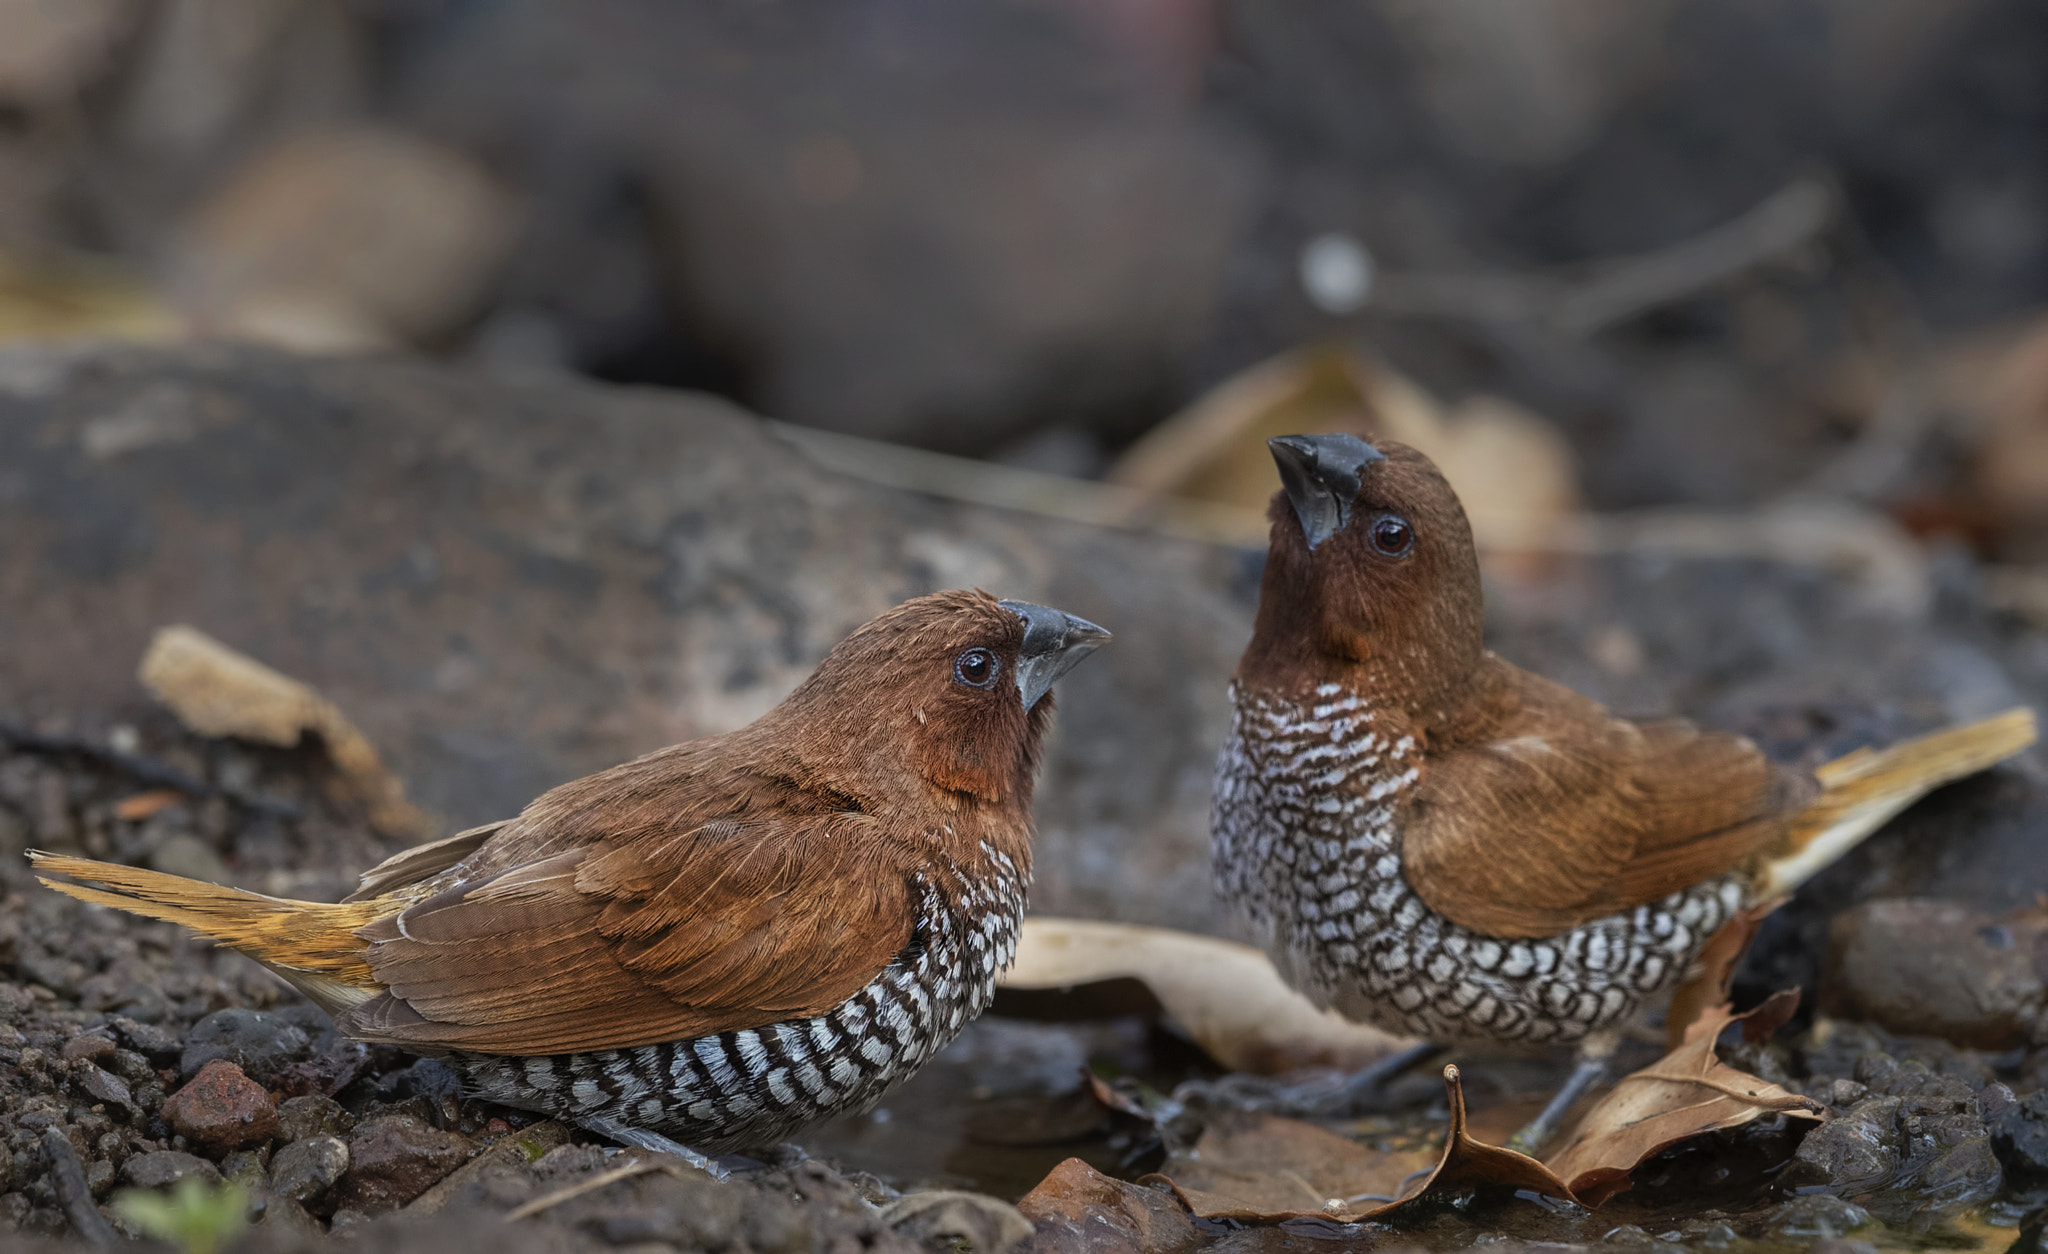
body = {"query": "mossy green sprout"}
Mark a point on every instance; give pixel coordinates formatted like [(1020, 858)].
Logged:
[(195, 1216)]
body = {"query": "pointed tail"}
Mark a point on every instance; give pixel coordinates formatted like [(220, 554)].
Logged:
[(1861, 791), (311, 944)]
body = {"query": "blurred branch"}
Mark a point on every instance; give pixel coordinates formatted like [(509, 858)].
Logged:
[(1864, 547), (1617, 289)]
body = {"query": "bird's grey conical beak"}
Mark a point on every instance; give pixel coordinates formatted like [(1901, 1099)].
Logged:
[(1054, 643), (1321, 474)]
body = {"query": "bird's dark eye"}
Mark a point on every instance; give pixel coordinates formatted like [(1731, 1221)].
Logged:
[(977, 668), (1392, 535)]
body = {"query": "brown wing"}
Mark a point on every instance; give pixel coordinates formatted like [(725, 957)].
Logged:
[(667, 936), (1557, 813)]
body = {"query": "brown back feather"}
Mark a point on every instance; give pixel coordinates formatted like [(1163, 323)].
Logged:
[(1538, 811)]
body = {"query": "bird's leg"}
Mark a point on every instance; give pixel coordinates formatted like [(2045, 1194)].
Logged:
[(1365, 1081), (1594, 1053), (641, 1138)]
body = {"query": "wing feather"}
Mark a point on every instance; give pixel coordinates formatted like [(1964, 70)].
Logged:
[(620, 942), (1554, 813)]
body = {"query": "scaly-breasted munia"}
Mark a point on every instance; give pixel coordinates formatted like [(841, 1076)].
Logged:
[(720, 942), (1432, 840)]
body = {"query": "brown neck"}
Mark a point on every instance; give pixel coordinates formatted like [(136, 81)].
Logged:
[(1424, 661)]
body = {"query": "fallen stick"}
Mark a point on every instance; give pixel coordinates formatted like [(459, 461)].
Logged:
[(147, 770)]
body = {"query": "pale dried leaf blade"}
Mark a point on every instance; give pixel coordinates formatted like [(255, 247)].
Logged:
[(1687, 1093), (1262, 1168), (217, 691), (1707, 986), (1226, 996), (1514, 470)]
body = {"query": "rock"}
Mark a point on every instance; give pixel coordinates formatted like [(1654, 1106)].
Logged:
[(1917, 1145), (147, 1039), (2020, 1137), (513, 1150), (343, 240), (161, 1168), (312, 1115), (260, 1044), (305, 1169), (1855, 1153), (945, 271), (103, 1086), (222, 1109), (1937, 968), (2033, 1237), (1816, 1215), (944, 1220), (701, 565), (49, 53), (1076, 1209), (189, 856), (727, 561), (395, 1159), (89, 1047), (248, 1168)]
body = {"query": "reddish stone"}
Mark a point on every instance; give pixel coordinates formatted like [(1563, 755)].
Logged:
[(1077, 1210), (222, 1110), (395, 1160)]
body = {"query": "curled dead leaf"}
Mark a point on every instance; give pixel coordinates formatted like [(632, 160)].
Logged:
[(1077, 1209), (1225, 995), (1513, 469), (1265, 1169), (1687, 1093), (217, 691), (1708, 985)]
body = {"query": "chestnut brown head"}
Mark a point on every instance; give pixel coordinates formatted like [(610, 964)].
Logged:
[(1369, 566), (949, 692)]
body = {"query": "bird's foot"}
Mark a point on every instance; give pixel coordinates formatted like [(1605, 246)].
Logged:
[(1363, 1084), (1595, 1053), (655, 1142)]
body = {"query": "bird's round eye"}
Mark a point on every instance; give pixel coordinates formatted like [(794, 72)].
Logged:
[(977, 668), (1392, 535)]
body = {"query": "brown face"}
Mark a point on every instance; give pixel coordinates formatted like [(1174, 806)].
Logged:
[(955, 687), (1370, 564)]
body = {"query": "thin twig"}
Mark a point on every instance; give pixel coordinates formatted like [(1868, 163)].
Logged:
[(73, 1194), (547, 1201), (1603, 293), (147, 770)]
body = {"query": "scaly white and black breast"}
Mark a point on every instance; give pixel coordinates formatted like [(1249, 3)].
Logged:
[(1306, 843)]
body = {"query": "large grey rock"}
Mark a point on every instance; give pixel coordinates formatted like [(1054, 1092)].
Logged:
[(967, 219), (510, 584), (507, 584)]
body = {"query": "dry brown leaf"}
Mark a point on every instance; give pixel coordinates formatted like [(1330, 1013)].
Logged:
[(216, 691), (1076, 1208), (1264, 1169), (55, 296), (1708, 985), (1225, 995), (1687, 1093), (1514, 470), (344, 239)]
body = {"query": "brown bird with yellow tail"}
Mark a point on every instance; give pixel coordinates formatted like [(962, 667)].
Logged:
[(720, 942), (1430, 839)]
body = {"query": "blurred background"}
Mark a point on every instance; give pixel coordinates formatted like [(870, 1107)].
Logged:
[(1728, 319), (1604, 253)]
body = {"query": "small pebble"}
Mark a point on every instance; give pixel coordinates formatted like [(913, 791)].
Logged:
[(222, 1109)]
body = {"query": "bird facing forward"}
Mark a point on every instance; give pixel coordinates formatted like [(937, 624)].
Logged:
[(720, 942), (1432, 840)]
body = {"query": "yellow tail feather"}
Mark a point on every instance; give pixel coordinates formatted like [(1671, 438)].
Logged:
[(310, 944), (1861, 791)]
